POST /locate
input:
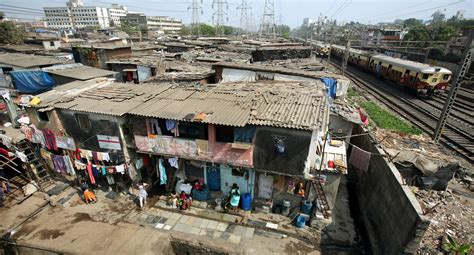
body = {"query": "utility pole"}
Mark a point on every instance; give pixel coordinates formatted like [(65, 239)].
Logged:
[(346, 57), (268, 19), (195, 6), (218, 16), (244, 19), (448, 105)]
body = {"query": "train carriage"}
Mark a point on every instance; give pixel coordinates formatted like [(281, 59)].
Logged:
[(321, 48), (424, 79)]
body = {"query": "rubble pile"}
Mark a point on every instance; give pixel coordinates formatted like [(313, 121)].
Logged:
[(450, 213)]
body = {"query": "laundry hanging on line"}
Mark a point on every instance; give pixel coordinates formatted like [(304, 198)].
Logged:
[(360, 158)]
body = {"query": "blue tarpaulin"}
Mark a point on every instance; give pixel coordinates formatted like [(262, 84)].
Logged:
[(244, 134), (331, 85), (32, 81)]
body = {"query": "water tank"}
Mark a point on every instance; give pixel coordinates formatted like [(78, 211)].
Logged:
[(285, 207), (306, 207), (246, 202)]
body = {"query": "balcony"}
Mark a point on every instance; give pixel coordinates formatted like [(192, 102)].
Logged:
[(236, 154)]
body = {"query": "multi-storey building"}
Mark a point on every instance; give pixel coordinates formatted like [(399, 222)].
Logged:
[(115, 13), (163, 23), (76, 15), (155, 23)]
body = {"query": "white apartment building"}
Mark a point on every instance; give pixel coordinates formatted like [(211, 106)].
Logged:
[(163, 23), (75, 15), (115, 12)]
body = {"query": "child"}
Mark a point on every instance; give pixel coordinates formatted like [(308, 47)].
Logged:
[(89, 196), (142, 195)]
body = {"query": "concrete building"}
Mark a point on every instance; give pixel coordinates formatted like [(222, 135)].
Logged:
[(134, 19), (115, 13), (164, 24), (76, 15), (155, 23)]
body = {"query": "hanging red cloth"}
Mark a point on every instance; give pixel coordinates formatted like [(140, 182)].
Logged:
[(89, 172)]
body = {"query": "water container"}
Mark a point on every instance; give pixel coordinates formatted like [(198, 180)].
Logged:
[(246, 202), (306, 207), (285, 207), (214, 179), (300, 221), (201, 195)]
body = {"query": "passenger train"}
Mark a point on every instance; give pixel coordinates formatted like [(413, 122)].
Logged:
[(321, 48), (423, 79)]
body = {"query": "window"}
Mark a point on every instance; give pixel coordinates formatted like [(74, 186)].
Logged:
[(425, 76), (238, 172), (434, 80), (83, 121), (51, 44), (42, 116), (224, 134), (446, 77)]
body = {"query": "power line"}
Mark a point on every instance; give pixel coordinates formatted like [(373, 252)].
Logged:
[(244, 19), (218, 16), (332, 5), (268, 19), (21, 7), (195, 22), (418, 11), (6, 9), (403, 9)]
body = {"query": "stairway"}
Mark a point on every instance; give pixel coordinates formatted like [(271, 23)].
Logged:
[(36, 166), (321, 198)]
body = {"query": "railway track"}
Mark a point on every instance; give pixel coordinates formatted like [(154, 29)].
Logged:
[(457, 134)]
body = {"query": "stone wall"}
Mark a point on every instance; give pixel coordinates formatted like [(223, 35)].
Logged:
[(391, 214)]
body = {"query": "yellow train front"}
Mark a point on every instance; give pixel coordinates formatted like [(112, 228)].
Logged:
[(424, 79), (322, 49)]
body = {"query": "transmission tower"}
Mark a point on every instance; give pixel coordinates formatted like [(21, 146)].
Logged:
[(244, 18), (218, 15), (268, 19), (196, 8)]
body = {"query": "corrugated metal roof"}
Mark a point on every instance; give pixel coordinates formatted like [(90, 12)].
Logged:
[(81, 72), (300, 105), (27, 61)]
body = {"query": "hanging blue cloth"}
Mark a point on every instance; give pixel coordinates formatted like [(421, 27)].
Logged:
[(163, 177), (170, 124), (331, 85), (32, 81), (244, 134)]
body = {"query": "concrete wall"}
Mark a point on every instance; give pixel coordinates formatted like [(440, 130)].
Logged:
[(245, 184), (391, 214)]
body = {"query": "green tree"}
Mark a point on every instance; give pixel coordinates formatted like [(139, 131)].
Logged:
[(10, 33), (417, 33), (228, 30), (185, 30), (206, 30), (411, 22), (127, 28), (284, 30), (443, 32)]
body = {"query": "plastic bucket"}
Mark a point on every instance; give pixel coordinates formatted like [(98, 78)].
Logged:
[(300, 221)]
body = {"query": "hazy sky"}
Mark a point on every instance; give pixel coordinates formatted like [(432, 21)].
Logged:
[(290, 12)]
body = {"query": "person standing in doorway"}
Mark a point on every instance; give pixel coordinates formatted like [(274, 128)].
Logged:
[(235, 196), (142, 195)]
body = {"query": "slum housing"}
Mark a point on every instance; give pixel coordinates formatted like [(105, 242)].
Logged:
[(244, 133), (275, 128)]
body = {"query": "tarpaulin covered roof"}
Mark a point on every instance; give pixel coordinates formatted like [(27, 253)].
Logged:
[(32, 81)]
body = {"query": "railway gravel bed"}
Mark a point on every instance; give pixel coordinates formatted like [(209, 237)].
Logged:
[(457, 135)]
